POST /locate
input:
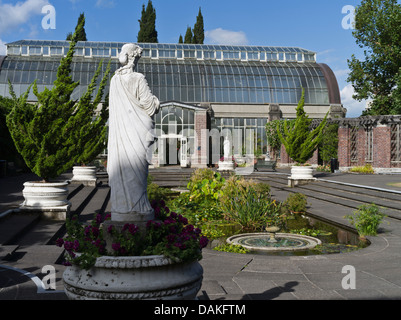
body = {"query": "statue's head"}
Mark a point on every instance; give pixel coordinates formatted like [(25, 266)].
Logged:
[(130, 52)]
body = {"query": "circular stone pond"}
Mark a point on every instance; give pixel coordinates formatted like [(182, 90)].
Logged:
[(263, 242)]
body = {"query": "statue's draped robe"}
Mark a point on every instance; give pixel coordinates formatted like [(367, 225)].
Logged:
[(131, 105)]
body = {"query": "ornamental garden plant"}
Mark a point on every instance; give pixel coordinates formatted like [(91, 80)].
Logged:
[(299, 140), (57, 132), (169, 234)]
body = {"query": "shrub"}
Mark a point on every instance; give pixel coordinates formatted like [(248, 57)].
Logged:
[(296, 202), (366, 219), (367, 169), (251, 209)]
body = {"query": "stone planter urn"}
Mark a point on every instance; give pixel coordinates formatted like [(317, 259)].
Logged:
[(49, 198), (134, 278), (84, 175), (300, 175)]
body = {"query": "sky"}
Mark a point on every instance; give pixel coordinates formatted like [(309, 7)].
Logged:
[(322, 26)]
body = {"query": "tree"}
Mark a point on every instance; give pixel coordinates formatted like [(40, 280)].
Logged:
[(273, 138), (56, 132), (147, 24), (378, 32), (81, 35), (188, 35), (180, 40), (198, 31), (328, 146), (299, 141)]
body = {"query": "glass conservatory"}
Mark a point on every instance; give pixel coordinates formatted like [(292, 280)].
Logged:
[(201, 87)]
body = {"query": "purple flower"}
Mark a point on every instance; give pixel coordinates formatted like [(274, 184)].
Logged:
[(110, 229), (116, 246), (203, 241), (182, 219), (99, 219), (189, 228), (59, 242)]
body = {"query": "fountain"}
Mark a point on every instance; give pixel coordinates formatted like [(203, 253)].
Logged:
[(271, 241)]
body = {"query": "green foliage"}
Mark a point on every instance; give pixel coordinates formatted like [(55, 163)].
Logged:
[(328, 146), (296, 202), (229, 247), (249, 206), (155, 192), (201, 203), (366, 169), (199, 32), (188, 35), (366, 219), (58, 132), (299, 141), (378, 33), (81, 34), (272, 132), (147, 24)]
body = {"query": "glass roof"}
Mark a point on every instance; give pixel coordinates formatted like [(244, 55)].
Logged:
[(158, 50), (189, 81)]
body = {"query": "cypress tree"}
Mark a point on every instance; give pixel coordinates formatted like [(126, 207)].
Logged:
[(81, 35), (57, 132), (199, 32), (180, 40), (147, 24), (299, 141), (188, 35)]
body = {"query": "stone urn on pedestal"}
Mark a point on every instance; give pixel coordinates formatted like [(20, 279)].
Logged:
[(143, 251), (300, 142)]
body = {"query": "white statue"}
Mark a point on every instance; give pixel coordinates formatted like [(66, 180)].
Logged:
[(227, 147), (131, 107)]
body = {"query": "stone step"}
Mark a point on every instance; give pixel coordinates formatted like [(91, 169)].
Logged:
[(14, 225)]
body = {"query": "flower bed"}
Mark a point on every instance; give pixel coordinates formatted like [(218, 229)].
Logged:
[(169, 235)]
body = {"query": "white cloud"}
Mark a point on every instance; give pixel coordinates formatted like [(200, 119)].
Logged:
[(105, 3), (12, 16), (354, 107), (221, 36)]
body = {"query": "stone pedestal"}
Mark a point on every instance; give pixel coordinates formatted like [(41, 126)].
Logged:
[(84, 175), (48, 198), (300, 175)]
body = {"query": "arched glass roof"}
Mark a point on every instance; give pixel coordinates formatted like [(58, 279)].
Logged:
[(228, 79)]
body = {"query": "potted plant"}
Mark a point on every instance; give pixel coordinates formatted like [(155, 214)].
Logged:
[(300, 141), (52, 135), (160, 262)]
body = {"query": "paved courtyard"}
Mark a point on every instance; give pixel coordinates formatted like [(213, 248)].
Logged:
[(27, 244)]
